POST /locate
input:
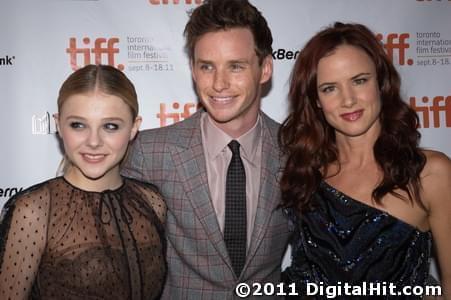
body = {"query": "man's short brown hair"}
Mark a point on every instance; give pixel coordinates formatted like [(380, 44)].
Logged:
[(216, 15)]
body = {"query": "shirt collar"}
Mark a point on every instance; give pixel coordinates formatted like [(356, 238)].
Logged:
[(218, 139)]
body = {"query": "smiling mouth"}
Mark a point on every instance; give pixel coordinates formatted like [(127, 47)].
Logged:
[(221, 100), (93, 158), (352, 116)]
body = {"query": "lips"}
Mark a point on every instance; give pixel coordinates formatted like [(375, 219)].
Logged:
[(93, 158), (222, 99), (352, 116)]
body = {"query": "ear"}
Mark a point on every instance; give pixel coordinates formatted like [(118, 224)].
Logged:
[(135, 128), (267, 66), (56, 118)]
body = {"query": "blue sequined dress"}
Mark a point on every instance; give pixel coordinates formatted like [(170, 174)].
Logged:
[(344, 240)]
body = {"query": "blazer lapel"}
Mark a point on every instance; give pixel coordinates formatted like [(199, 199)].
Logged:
[(269, 188), (192, 168)]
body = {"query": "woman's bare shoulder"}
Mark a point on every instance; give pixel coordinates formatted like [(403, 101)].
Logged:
[(436, 179), (437, 163)]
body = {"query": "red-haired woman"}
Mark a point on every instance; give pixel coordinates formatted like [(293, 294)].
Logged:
[(364, 199)]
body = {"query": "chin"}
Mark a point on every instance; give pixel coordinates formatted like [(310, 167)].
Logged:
[(353, 133), (220, 117), (94, 175)]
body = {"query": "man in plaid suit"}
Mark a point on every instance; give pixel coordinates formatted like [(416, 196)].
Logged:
[(229, 44)]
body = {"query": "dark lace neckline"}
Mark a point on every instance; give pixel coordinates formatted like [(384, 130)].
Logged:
[(339, 194), (107, 191)]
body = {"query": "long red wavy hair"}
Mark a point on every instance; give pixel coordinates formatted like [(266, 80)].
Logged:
[(309, 141)]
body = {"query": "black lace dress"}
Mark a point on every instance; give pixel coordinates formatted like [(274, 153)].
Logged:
[(60, 242), (345, 241)]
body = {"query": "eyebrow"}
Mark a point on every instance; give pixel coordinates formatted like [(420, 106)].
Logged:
[(360, 74), (235, 61), (103, 119), (239, 61), (352, 78), (202, 61), (113, 119)]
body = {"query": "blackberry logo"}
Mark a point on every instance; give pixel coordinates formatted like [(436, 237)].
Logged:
[(281, 54), (9, 191), (7, 60)]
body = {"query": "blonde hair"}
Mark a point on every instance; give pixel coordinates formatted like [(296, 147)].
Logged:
[(103, 78)]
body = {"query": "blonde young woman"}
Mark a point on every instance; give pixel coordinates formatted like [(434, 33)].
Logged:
[(91, 233)]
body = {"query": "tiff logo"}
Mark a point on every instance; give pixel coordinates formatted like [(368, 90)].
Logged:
[(439, 104), (399, 44), (102, 47), (40, 125), (175, 116), (7, 60), (159, 2)]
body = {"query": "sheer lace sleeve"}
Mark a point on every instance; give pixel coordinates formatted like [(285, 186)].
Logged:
[(23, 233)]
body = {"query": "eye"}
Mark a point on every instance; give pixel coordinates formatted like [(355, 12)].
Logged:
[(236, 67), (111, 126), (327, 89), (206, 67), (359, 81), (77, 125)]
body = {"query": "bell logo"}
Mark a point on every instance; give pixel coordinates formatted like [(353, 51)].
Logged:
[(164, 116), (397, 43), (439, 104), (99, 51), (159, 2), (40, 124)]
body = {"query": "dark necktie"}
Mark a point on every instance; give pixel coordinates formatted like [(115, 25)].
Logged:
[(235, 210)]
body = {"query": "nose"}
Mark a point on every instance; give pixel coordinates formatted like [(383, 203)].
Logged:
[(349, 96), (220, 81), (94, 139)]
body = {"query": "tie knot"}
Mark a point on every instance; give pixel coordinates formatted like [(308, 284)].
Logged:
[(234, 147)]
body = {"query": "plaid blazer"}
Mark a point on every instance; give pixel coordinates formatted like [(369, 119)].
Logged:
[(173, 158)]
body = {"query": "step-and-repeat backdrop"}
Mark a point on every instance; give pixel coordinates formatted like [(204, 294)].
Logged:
[(42, 42)]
